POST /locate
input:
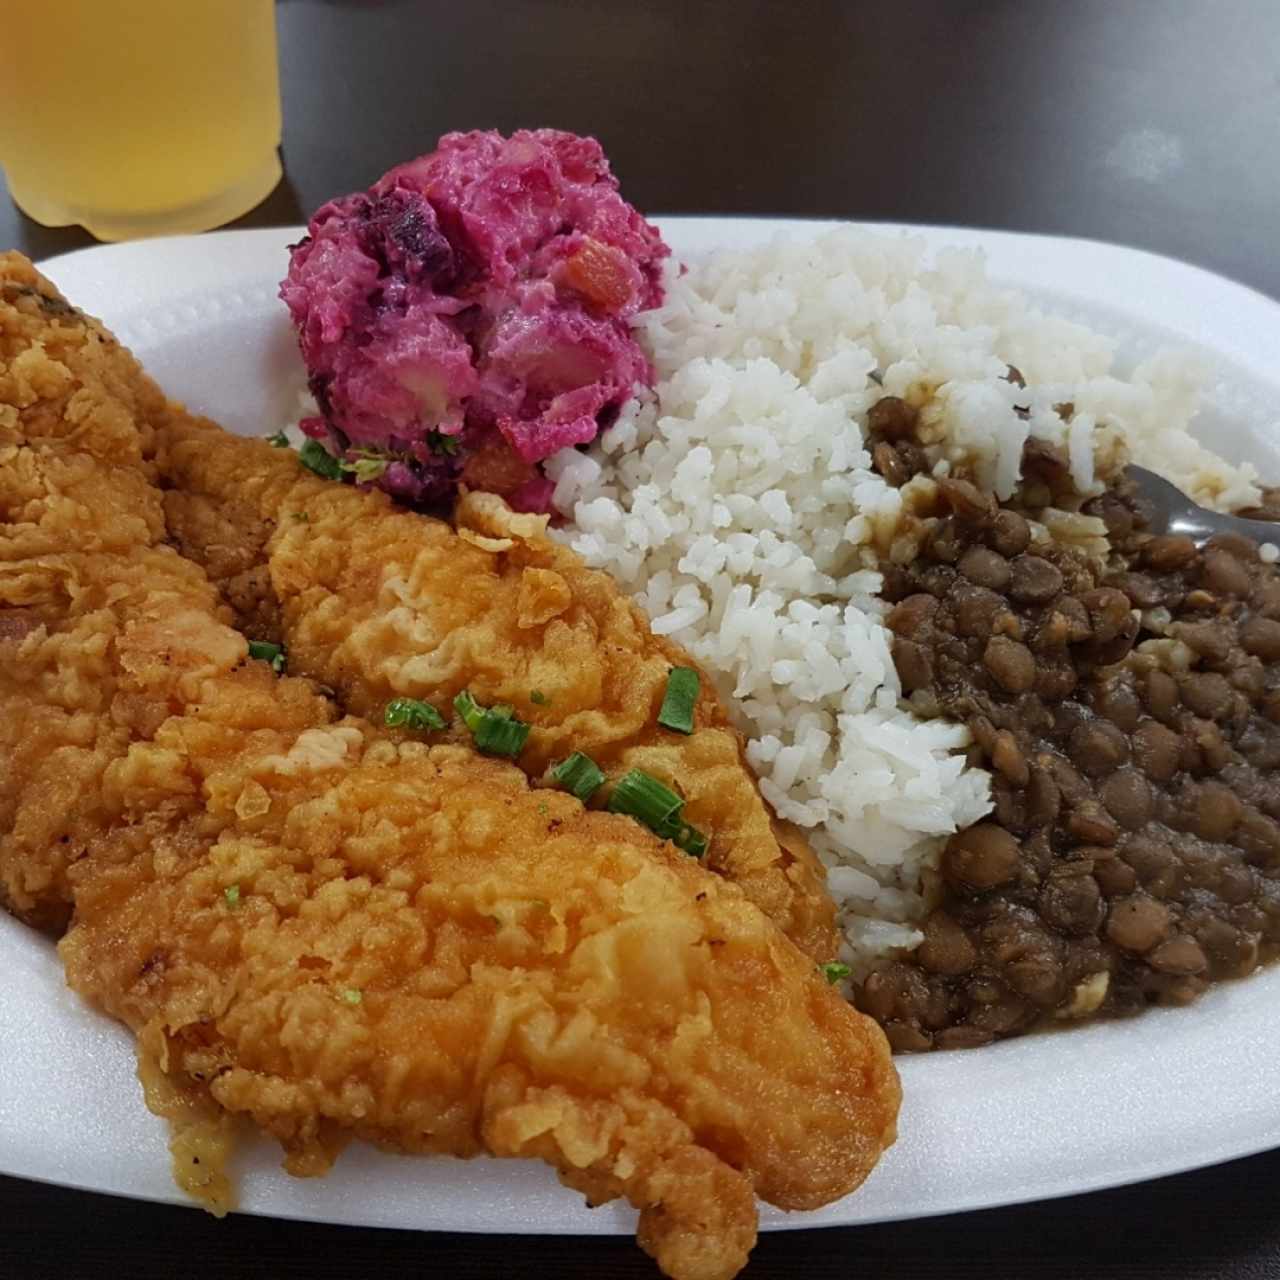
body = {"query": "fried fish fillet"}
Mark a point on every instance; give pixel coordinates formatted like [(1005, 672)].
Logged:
[(64, 734), (334, 931), (378, 602)]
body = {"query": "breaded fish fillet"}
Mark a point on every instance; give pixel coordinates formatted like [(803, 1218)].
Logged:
[(335, 931), (378, 602)]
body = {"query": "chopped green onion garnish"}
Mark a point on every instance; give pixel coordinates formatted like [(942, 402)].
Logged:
[(352, 995), (496, 730), (367, 465), (685, 836), (279, 440), (302, 517), (499, 736), (232, 894), (438, 442), (538, 698), (315, 457), (658, 807), (834, 972), (410, 713), (579, 774), (264, 651), (644, 797), (680, 700), (469, 709)]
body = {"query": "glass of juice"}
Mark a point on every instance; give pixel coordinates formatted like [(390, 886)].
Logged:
[(138, 117)]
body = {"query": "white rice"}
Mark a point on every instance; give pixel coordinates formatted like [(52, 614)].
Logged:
[(741, 511)]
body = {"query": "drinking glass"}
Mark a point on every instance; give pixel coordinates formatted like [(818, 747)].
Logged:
[(138, 117)]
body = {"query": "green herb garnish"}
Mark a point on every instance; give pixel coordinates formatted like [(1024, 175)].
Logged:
[(502, 736), (496, 730), (539, 699), (834, 972), (684, 835), (315, 457), (352, 995), (367, 465), (279, 440), (645, 798), (438, 442), (302, 517), (410, 713), (264, 651), (579, 775), (680, 700), (232, 894), (469, 709)]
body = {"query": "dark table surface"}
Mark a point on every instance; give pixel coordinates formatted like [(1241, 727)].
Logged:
[(1148, 122)]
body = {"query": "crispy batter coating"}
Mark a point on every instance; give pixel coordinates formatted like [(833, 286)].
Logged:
[(377, 602), (78, 496), (335, 931)]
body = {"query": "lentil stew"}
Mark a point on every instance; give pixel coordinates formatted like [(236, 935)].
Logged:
[(1129, 713)]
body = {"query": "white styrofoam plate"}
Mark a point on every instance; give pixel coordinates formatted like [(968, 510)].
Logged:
[(1041, 1116)]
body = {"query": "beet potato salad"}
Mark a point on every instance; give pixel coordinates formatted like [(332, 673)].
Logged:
[(469, 314)]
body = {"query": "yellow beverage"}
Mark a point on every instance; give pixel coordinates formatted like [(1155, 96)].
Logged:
[(138, 117)]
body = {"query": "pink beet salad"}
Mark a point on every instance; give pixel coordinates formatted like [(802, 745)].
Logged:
[(469, 314)]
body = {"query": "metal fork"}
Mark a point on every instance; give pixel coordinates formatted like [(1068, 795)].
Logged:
[(1173, 512)]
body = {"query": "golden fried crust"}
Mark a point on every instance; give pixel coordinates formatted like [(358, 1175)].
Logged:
[(338, 932), (377, 602), (531, 979), (78, 524), (64, 377)]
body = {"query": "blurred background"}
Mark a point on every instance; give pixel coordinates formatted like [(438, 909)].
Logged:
[(1149, 122)]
